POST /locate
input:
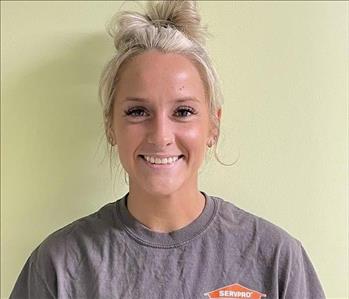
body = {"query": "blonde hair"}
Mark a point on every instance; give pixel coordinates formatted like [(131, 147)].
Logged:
[(169, 27)]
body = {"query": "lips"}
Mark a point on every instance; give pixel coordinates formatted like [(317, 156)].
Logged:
[(161, 160)]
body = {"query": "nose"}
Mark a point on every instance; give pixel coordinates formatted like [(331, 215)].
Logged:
[(160, 131)]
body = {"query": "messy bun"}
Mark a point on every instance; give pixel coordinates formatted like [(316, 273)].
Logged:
[(169, 27), (178, 15), (182, 15)]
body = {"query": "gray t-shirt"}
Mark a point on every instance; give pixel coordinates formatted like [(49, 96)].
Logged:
[(225, 253)]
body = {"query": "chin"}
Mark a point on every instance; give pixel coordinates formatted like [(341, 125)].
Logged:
[(161, 192), (161, 189)]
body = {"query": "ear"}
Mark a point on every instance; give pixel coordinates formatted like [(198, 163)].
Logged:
[(219, 114), (215, 127), (214, 132), (111, 136)]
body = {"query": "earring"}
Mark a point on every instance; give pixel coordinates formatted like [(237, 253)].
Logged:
[(211, 142)]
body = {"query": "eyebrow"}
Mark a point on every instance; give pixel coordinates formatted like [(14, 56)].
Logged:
[(177, 100)]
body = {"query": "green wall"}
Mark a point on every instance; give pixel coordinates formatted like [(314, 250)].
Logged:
[(284, 71)]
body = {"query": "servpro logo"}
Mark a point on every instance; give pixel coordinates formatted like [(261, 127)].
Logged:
[(234, 291)]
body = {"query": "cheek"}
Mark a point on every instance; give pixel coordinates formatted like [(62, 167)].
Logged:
[(128, 133), (195, 138), (128, 138)]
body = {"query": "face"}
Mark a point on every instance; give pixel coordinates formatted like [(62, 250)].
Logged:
[(161, 122)]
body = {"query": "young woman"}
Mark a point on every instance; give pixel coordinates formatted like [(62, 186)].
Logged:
[(165, 238)]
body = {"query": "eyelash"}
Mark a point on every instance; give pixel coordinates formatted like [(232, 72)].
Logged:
[(137, 110)]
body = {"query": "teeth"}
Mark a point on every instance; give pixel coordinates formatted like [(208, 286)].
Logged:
[(156, 160)]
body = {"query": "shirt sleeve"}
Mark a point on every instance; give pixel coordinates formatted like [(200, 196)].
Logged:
[(303, 281), (31, 284)]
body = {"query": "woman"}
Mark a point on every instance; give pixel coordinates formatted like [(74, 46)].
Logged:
[(165, 238)]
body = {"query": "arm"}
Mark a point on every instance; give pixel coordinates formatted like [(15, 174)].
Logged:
[(303, 281), (31, 284)]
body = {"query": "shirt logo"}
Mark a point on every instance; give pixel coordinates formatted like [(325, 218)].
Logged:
[(234, 291)]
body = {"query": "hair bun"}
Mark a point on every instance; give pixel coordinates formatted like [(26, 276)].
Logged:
[(126, 26), (182, 15)]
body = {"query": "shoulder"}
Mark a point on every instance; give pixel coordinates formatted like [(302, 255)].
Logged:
[(70, 244), (57, 260), (269, 248), (267, 238)]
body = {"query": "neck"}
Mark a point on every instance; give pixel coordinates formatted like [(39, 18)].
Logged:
[(165, 213)]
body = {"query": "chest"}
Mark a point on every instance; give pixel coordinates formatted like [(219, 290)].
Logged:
[(136, 271)]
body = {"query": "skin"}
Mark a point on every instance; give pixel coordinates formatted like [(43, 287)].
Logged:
[(161, 110)]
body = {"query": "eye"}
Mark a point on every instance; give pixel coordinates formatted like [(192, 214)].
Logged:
[(136, 112), (185, 111)]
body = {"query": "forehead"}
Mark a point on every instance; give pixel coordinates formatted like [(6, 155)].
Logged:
[(154, 74)]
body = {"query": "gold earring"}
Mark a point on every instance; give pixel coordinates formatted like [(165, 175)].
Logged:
[(212, 141)]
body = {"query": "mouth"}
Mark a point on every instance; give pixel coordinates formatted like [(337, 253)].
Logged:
[(161, 161)]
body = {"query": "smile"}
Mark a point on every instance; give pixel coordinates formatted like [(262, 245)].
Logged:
[(161, 161)]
